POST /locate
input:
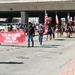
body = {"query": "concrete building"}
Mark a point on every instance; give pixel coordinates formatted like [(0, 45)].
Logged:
[(36, 8)]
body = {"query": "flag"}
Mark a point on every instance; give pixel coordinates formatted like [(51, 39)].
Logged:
[(57, 20), (74, 19), (47, 19), (68, 18)]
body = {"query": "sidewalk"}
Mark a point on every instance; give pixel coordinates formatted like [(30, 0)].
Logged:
[(69, 69)]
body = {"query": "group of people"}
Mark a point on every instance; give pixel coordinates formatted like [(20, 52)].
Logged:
[(31, 33), (51, 30), (15, 27), (68, 28)]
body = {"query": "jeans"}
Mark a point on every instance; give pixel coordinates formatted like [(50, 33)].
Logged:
[(40, 39), (30, 37)]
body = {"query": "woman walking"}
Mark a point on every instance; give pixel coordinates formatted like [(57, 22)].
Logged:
[(41, 31)]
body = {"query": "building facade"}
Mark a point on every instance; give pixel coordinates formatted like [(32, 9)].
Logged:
[(36, 8)]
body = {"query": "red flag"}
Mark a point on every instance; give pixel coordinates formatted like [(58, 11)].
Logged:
[(47, 19), (57, 20)]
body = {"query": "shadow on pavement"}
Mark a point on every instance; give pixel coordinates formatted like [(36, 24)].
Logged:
[(11, 62), (11, 45), (48, 46), (60, 39), (71, 37), (51, 46)]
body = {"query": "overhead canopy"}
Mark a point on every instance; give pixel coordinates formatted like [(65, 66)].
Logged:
[(16, 1), (38, 6)]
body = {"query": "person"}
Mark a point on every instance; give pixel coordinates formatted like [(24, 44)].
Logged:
[(50, 31), (11, 27), (41, 31), (21, 26), (30, 33)]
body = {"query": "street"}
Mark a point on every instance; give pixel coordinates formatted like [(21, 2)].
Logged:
[(49, 59)]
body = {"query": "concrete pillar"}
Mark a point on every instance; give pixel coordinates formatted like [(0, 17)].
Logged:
[(24, 17), (41, 18)]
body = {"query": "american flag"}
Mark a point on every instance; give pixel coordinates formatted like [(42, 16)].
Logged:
[(47, 19), (57, 20)]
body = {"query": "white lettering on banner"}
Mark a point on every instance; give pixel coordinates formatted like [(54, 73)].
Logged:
[(4, 34), (11, 37), (7, 38), (10, 41), (17, 35), (14, 35), (7, 41)]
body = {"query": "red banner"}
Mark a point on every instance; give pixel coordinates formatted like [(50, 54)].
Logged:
[(12, 37)]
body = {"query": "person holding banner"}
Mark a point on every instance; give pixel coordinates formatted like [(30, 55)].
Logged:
[(30, 33)]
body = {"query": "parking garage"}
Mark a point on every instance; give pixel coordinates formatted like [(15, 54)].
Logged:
[(26, 10)]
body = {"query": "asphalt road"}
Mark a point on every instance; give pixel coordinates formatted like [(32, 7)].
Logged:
[(49, 59)]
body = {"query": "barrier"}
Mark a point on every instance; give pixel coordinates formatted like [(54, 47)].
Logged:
[(13, 37)]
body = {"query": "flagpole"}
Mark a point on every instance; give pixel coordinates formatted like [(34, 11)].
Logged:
[(45, 11), (56, 18), (56, 13), (68, 17), (44, 16)]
